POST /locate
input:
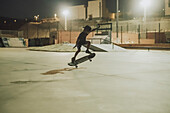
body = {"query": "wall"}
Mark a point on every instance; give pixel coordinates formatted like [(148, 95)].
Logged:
[(11, 33), (127, 38), (167, 8), (77, 12), (35, 31), (129, 35), (130, 38), (38, 30), (69, 37), (105, 11), (93, 9), (37, 42), (98, 9), (150, 25)]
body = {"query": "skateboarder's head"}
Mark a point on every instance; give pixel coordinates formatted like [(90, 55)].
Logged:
[(87, 28)]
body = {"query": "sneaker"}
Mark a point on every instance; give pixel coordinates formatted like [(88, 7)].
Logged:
[(87, 51), (73, 60)]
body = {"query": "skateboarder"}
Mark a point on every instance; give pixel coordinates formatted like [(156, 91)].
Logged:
[(81, 40)]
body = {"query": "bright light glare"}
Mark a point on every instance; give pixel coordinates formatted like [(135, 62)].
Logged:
[(65, 12), (55, 15), (145, 3)]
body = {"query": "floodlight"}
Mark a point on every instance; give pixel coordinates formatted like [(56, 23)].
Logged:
[(65, 12), (145, 3)]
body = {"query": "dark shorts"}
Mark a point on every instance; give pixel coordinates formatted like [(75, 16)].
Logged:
[(80, 44)]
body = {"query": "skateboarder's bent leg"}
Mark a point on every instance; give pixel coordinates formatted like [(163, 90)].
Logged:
[(88, 46), (73, 59)]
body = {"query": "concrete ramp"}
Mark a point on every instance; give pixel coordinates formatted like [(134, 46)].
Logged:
[(102, 47), (1, 43), (96, 48), (116, 47), (106, 47), (13, 42), (5, 42), (100, 39), (92, 47), (16, 42)]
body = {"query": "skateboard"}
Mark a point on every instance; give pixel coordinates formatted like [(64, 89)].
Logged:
[(82, 59)]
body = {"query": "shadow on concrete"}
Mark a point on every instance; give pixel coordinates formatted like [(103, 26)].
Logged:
[(52, 72), (31, 81)]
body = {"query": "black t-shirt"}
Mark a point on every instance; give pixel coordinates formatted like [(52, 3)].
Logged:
[(82, 38)]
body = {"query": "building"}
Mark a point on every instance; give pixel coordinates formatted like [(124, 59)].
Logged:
[(167, 7), (78, 12), (97, 9)]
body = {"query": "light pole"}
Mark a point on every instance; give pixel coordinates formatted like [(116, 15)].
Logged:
[(65, 13), (36, 17), (145, 4), (55, 16), (117, 19)]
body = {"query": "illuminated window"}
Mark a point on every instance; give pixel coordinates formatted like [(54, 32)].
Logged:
[(15, 20), (4, 22)]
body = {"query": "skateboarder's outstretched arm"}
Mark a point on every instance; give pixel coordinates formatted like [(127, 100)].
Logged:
[(98, 26)]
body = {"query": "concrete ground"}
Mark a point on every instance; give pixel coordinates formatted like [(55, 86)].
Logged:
[(115, 82)]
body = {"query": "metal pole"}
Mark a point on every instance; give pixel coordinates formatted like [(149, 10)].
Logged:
[(27, 30), (111, 33), (121, 34), (65, 22), (139, 34), (117, 19), (58, 32), (37, 30), (70, 29), (160, 33), (155, 37), (146, 33)]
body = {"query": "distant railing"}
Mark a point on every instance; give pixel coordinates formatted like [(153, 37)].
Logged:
[(101, 40), (11, 33)]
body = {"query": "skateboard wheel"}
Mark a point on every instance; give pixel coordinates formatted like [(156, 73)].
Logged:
[(90, 60), (76, 66)]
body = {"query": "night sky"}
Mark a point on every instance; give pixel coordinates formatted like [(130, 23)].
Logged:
[(47, 8)]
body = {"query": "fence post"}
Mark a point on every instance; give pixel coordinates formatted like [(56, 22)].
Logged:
[(146, 33), (70, 29), (139, 34), (57, 32), (37, 31), (121, 34), (159, 33), (27, 30), (49, 28), (155, 37), (61, 36)]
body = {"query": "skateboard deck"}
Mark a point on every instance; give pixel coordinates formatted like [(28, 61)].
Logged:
[(82, 59)]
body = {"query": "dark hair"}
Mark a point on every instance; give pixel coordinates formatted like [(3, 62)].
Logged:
[(88, 28)]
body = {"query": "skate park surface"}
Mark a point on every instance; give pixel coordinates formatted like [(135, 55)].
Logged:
[(133, 81)]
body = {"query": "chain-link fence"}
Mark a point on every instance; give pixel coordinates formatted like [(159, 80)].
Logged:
[(157, 31), (132, 31)]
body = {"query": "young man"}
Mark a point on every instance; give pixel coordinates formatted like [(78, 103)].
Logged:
[(81, 40)]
